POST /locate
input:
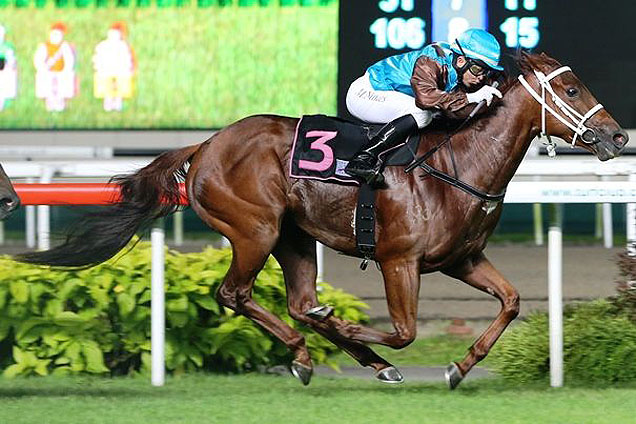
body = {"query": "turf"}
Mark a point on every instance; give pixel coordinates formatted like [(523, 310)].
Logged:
[(266, 399), (197, 67)]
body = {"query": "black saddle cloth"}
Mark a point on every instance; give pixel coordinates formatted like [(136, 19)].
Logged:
[(324, 145)]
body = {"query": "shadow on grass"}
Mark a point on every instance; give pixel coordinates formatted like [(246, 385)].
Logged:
[(245, 386), (52, 387), (115, 392), (337, 387)]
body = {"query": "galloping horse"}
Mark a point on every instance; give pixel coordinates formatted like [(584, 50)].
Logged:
[(237, 182), (9, 200)]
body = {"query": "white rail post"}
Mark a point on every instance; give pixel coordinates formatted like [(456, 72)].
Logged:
[(44, 213), (538, 219), (555, 295), (29, 217), (177, 222), (320, 259), (44, 227), (631, 224), (598, 221), (157, 305), (608, 233), (538, 224)]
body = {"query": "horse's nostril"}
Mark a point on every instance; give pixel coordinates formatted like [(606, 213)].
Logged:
[(620, 139), (9, 203)]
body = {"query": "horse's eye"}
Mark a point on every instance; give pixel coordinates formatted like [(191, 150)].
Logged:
[(572, 92)]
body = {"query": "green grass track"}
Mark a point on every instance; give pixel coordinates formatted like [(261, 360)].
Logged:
[(264, 399)]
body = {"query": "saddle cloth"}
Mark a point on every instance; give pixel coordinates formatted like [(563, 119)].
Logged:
[(324, 145)]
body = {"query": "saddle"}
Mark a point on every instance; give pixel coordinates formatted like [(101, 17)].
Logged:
[(324, 145)]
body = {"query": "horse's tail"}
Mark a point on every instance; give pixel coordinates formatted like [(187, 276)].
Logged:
[(149, 193)]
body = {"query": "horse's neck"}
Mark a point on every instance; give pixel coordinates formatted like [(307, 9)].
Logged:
[(488, 153)]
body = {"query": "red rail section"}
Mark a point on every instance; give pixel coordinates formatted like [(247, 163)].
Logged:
[(74, 194)]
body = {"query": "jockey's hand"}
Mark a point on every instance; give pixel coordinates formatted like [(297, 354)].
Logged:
[(484, 93)]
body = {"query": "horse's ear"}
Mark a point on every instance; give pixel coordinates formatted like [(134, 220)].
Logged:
[(545, 58), (524, 60), (549, 62)]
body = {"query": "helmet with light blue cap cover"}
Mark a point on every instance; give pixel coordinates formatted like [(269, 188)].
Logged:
[(480, 45)]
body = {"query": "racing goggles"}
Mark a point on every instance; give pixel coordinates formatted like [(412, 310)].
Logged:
[(476, 67)]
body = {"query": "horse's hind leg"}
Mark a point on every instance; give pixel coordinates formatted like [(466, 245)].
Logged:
[(248, 259), (481, 274), (296, 254), (243, 196)]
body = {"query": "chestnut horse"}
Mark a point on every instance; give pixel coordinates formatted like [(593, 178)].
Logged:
[(9, 200), (238, 183)]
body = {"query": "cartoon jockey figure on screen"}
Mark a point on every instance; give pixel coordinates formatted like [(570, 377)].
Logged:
[(114, 63), (54, 62), (8, 70)]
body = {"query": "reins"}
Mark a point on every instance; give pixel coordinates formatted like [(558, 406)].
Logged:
[(570, 117)]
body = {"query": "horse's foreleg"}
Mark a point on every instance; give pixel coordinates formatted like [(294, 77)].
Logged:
[(402, 284), (296, 254), (481, 274)]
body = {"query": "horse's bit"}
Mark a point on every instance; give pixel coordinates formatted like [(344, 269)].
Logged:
[(577, 125)]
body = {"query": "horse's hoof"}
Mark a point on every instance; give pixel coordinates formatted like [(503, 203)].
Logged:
[(319, 313), (390, 375), (301, 372), (453, 376)]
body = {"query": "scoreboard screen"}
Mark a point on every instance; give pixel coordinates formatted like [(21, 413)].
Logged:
[(593, 37), (164, 64)]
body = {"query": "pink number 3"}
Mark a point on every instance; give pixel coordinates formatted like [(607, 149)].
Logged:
[(327, 152)]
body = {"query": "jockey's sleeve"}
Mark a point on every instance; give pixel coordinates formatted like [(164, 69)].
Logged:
[(428, 82)]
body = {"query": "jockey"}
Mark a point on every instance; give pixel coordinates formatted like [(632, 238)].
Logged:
[(402, 92)]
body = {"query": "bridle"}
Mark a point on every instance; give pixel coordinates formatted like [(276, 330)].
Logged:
[(569, 117), (577, 125)]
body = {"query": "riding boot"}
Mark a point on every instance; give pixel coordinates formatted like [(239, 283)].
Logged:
[(366, 164)]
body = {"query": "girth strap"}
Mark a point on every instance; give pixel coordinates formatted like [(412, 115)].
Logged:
[(365, 223)]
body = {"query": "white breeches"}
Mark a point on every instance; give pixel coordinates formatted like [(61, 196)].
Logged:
[(380, 107)]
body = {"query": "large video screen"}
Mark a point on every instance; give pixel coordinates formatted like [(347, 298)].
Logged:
[(595, 38), (164, 64)]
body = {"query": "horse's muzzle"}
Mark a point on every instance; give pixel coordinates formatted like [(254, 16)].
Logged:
[(609, 143)]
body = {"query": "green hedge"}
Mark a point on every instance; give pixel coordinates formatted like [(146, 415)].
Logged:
[(98, 320), (599, 346), (626, 285)]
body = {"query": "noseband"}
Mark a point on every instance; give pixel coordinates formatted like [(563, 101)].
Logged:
[(577, 124)]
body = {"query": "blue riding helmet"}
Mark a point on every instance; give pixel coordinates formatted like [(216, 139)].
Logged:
[(480, 45)]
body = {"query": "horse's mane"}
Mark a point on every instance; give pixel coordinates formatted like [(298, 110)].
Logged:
[(526, 63)]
